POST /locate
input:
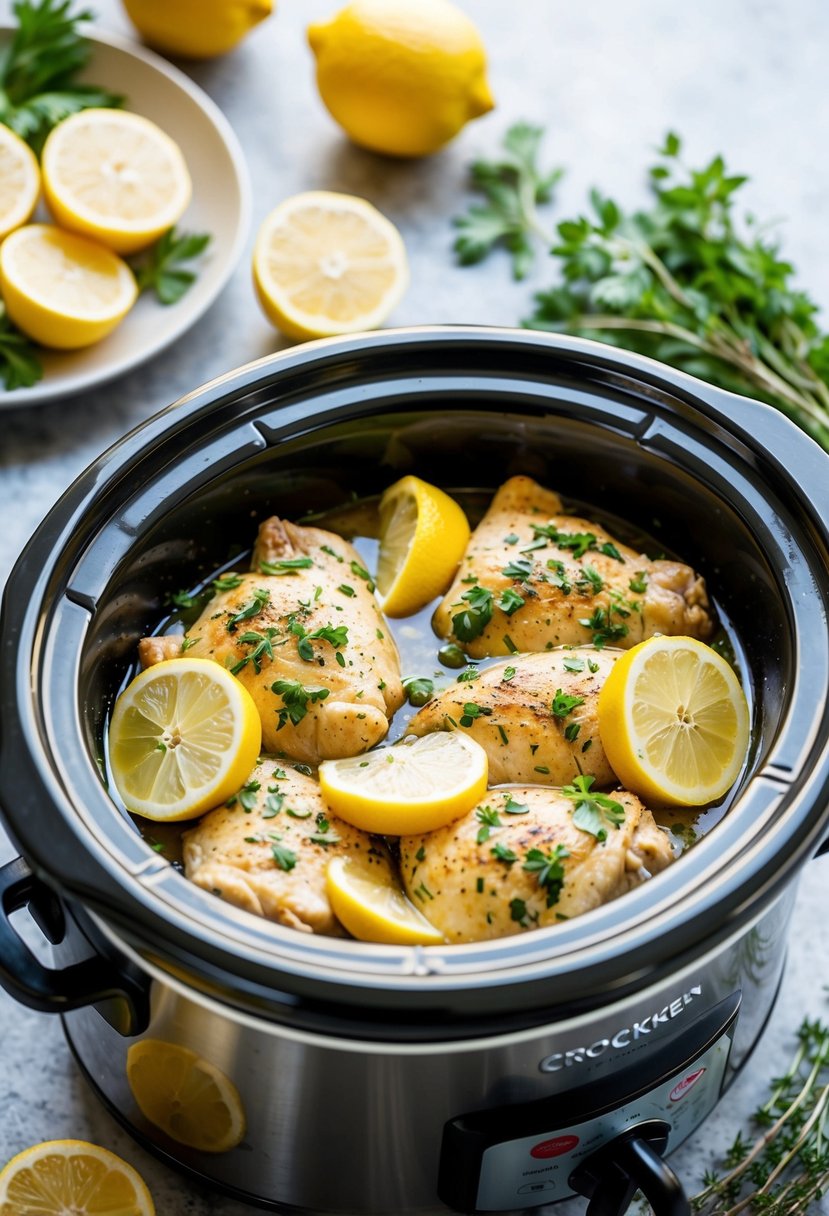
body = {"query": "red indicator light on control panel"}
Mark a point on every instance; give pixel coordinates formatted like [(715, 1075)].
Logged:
[(555, 1147), (681, 1089)]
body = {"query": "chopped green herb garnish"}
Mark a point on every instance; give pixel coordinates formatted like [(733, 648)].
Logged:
[(295, 700), (589, 581), (542, 768), (574, 664), (473, 620), (488, 818), (261, 596), (227, 582), (284, 858), (509, 601), (503, 734), (262, 649), (468, 676), (346, 590), (420, 855), (511, 807), (519, 912), (510, 645), (562, 705), (297, 814), (331, 552), (592, 810), (507, 675), (610, 550), (501, 853), (286, 565), (604, 630), (362, 573), (571, 731), (520, 569), (471, 711), (325, 838), (640, 583), (246, 797), (479, 885), (548, 870), (558, 576)]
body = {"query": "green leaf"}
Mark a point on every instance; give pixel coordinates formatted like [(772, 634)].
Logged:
[(159, 268), (20, 365)]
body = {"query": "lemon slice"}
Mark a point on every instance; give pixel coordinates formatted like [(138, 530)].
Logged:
[(192, 1101), (411, 788), (115, 177), (328, 264), (61, 1176), (371, 905), (19, 181), (423, 535), (184, 736), (674, 722), (63, 290)]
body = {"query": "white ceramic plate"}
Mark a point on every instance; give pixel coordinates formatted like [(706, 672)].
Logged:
[(220, 206)]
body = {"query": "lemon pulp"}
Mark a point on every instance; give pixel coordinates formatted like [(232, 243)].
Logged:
[(674, 721), (184, 736), (19, 181), (327, 263), (60, 1176), (371, 905), (423, 535), (410, 788)]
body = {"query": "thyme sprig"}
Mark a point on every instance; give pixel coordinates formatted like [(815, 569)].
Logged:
[(786, 1169)]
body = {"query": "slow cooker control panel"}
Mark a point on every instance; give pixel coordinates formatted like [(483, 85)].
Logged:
[(517, 1157)]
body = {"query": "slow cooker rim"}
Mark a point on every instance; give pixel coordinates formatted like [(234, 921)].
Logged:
[(202, 400)]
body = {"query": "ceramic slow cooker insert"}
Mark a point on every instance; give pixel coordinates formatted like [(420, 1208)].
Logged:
[(496, 1076)]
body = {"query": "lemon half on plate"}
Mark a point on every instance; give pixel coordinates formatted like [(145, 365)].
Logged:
[(19, 181), (184, 736), (674, 722)]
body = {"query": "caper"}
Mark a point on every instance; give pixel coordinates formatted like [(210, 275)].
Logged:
[(451, 655)]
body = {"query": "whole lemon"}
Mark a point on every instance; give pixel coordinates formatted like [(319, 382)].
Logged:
[(196, 29), (401, 76)]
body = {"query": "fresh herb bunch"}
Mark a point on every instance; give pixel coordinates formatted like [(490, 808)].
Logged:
[(514, 187), (684, 281), (39, 66), (786, 1170)]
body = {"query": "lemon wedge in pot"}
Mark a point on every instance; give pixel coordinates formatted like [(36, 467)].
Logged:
[(674, 722), (423, 535), (410, 788), (184, 736), (369, 902)]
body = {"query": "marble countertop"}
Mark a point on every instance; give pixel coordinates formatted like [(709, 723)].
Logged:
[(746, 79)]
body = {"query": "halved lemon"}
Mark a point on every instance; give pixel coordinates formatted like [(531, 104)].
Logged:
[(19, 181), (674, 722), (326, 264), (184, 736), (423, 535), (410, 788), (60, 1176), (115, 177), (370, 903), (191, 1100), (63, 290)]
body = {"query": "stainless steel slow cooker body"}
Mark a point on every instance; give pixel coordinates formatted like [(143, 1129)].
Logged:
[(418, 1068)]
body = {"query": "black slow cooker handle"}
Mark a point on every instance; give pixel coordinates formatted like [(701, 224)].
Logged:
[(94, 981), (632, 1162)]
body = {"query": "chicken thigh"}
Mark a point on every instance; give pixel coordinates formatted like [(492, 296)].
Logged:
[(268, 849), (533, 578), (305, 635), (535, 716), (519, 861)]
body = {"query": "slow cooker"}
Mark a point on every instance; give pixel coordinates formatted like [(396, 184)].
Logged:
[(496, 1076)]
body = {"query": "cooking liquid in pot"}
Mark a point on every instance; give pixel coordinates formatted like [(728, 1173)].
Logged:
[(420, 649)]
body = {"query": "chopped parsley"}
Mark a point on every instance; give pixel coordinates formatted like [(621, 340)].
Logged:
[(574, 664), (589, 581), (508, 674), (511, 807), (519, 912), (604, 629), (591, 811), (346, 590), (520, 569), (640, 583), (273, 805), (362, 573), (548, 870), (509, 601), (562, 704), (510, 645), (610, 550), (262, 649), (571, 731), (471, 711), (467, 677), (295, 700), (501, 853), (286, 565), (227, 582), (488, 818), (260, 598), (511, 539), (325, 837), (473, 620), (284, 858), (558, 576), (246, 797)]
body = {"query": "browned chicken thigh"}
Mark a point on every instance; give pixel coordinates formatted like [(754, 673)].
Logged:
[(268, 850), (305, 635), (535, 715), (533, 578), (519, 861)]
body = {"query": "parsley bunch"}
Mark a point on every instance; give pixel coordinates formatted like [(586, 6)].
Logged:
[(685, 280), (39, 66)]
